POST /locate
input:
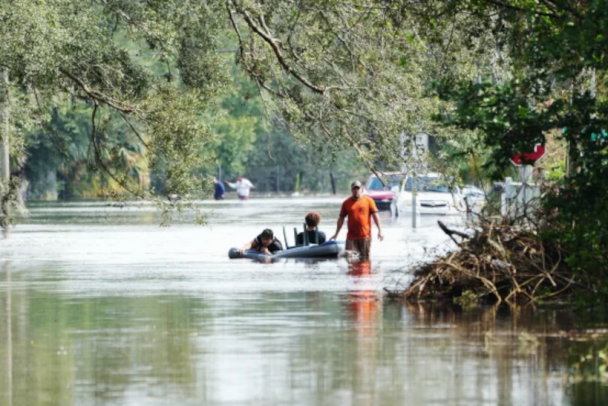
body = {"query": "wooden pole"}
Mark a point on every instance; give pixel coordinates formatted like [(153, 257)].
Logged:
[(333, 183), (414, 199), (4, 131), (4, 150)]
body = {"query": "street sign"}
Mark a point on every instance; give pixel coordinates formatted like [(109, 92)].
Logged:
[(529, 158)]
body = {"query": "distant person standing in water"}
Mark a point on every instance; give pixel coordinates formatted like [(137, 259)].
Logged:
[(218, 189), (242, 186), (360, 210)]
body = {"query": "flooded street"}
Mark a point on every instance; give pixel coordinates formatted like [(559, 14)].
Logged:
[(101, 306)]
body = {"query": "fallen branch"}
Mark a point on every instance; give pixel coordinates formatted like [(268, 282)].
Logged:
[(498, 261)]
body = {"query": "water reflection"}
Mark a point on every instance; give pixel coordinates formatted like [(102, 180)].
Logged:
[(296, 348), (7, 322), (363, 297), (98, 351), (130, 314), (364, 304)]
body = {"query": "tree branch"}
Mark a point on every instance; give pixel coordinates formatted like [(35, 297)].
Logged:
[(99, 158), (236, 29), (520, 9), (133, 129), (98, 96), (277, 51)]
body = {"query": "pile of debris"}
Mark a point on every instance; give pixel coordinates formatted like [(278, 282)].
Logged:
[(496, 262)]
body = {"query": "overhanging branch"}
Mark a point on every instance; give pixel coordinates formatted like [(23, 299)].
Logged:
[(520, 9), (98, 96), (277, 51), (99, 157)]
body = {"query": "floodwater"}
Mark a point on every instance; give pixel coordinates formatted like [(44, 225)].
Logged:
[(101, 306)]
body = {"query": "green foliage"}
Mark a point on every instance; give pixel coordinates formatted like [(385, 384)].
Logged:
[(235, 123), (509, 121), (339, 74), (10, 203), (298, 166), (468, 300), (148, 69), (62, 148), (176, 138), (61, 145), (556, 48)]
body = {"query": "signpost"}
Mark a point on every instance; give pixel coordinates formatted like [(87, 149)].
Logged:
[(524, 162), (529, 158)]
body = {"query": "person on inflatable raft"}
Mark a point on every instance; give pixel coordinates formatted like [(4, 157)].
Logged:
[(312, 220), (265, 243)]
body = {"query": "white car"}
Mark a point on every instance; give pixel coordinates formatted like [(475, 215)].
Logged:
[(433, 196), (474, 197)]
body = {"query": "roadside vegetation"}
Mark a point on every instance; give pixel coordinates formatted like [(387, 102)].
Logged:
[(556, 90)]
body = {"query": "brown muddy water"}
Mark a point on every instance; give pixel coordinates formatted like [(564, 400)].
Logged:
[(101, 306)]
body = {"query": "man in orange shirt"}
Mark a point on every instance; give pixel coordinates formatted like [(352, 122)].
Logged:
[(359, 210)]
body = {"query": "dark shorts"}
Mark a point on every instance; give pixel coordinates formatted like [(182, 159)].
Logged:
[(361, 246)]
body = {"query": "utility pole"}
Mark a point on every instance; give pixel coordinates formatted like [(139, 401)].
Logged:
[(4, 131), (414, 156), (525, 171), (414, 200), (409, 148), (4, 149), (278, 179)]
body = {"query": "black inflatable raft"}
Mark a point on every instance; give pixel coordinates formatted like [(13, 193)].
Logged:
[(329, 249)]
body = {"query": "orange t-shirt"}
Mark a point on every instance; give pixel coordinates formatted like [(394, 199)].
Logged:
[(359, 214)]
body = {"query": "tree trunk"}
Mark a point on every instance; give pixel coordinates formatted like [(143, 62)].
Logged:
[(4, 131), (4, 146)]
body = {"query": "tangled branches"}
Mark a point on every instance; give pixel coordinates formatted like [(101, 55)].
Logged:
[(498, 262)]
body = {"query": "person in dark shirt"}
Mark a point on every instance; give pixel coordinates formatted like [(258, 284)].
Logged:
[(265, 243), (312, 220), (218, 189)]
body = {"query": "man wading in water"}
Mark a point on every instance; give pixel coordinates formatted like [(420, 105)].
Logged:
[(359, 209), (242, 187)]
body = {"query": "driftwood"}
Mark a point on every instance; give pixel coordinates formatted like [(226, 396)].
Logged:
[(498, 262)]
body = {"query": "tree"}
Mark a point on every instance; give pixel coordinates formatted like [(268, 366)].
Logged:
[(279, 162), (55, 48), (236, 123), (558, 87), (61, 163), (341, 73)]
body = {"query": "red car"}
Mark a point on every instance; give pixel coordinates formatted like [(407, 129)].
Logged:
[(382, 194)]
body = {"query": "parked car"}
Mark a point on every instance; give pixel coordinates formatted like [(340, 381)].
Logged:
[(434, 196), (474, 197), (382, 194)]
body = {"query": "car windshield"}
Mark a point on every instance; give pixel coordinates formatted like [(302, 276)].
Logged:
[(472, 190), (428, 184), (375, 184)]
